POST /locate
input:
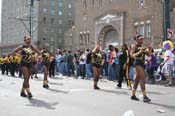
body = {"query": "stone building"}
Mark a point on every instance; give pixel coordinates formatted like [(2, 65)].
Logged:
[(116, 22)]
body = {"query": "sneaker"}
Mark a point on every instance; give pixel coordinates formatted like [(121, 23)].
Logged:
[(134, 98), (146, 99), (119, 86), (96, 87), (30, 95), (46, 86), (23, 94), (36, 77), (169, 84)]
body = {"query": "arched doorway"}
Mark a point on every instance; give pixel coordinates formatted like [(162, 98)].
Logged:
[(108, 35)]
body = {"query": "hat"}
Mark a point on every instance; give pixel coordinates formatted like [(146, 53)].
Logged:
[(139, 37), (168, 45)]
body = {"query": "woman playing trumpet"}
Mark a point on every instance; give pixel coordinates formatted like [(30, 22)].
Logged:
[(138, 53)]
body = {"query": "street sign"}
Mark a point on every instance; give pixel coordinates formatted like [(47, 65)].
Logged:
[(170, 33)]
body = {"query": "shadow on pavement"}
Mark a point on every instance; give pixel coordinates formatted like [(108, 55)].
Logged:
[(44, 104), (151, 92), (171, 107), (116, 92), (58, 91), (61, 84)]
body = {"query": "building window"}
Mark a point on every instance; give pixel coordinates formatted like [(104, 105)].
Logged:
[(148, 30), (45, 1), (52, 30), (44, 20), (70, 6), (100, 2), (81, 38), (110, 1), (59, 40), (51, 48), (141, 3), (70, 23), (60, 13), (52, 39), (60, 31), (93, 2), (52, 20), (141, 30), (84, 4), (53, 12), (69, 14), (88, 37), (60, 4), (45, 30), (52, 3), (60, 22), (44, 10)]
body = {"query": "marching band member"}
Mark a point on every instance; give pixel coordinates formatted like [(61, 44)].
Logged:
[(138, 53)]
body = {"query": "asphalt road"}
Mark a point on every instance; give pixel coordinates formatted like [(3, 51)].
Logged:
[(76, 97)]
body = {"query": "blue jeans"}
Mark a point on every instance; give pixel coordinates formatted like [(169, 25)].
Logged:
[(116, 72), (89, 70), (82, 70), (131, 72), (77, 67), (110, 72), (70, 69)]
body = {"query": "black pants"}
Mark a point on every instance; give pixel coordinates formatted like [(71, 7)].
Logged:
[(3, 68), (124, 73), (12, 68), (52, 69)]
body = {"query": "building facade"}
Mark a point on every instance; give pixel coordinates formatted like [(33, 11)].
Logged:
[(15, 23), (56, 17), (116, 22), (51, 18)]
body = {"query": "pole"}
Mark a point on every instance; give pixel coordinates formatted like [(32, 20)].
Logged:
[(166, 18), (31, 19)]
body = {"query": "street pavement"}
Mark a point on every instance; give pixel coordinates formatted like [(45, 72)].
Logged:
[(76, 97)]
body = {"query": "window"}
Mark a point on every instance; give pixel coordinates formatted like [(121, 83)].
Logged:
[(52, 39), (60, 31), (141, 3), (60, 22), (59, 40), (88, 38), (51, 48), (60, 4), (52, 3), (148, 30), (60, 13), (44, 20), (141, 30), (70, 22), (100, 2), (44, 10), (70, 6), (70, 14), (44, 29), (93, 2), (52, 30), (81, 38), (52, 20), (110, 1), (45, 1), (84, 4), (53, 12)]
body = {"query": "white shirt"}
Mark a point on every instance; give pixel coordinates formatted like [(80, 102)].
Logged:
[(169, 54)]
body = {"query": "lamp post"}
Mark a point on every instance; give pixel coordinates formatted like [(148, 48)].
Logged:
[(166, 17), (31, 19)]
